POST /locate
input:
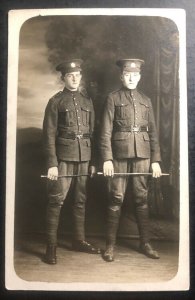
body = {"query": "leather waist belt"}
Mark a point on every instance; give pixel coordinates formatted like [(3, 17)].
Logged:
[(74, 136), (132, 128)]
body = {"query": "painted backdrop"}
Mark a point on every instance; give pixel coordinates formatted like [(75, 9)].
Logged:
[(99, 41)]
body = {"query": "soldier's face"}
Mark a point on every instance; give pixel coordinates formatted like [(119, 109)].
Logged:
[(72, 80), (130, 79)]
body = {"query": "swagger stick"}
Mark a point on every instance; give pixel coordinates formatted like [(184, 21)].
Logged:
[(101, 173), (61, 176), (134, 174)]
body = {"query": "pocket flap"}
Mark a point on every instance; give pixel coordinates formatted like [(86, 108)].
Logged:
[(146, 105), (118, 136), (69, 109), (63, 141), (85, 109), (121, 104)]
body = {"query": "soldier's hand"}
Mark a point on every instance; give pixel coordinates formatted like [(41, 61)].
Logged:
[(52, 173), (92, 171), (156, 170), (108, 168)]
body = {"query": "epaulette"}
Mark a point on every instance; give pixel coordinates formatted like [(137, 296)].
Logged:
[(56, 95), (142, 94), (84, 93), (113, 92), (145, 99)]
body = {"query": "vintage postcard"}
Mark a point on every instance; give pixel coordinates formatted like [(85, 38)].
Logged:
[(97, 150)]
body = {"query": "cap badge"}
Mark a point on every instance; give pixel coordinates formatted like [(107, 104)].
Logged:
[(133, 65), (73, 65)]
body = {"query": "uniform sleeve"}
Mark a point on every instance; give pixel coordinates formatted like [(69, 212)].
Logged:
[(92, 118), (154, 143), (106, 130), (93, 160), (49, 133)]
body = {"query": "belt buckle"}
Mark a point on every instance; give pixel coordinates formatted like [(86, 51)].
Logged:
[(136, 128), (79, 136)]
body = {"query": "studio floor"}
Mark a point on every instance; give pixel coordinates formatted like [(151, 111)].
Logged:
[(130, 266)]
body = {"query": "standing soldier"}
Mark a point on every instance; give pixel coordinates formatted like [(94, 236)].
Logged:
[(67, 131), (129, 143)]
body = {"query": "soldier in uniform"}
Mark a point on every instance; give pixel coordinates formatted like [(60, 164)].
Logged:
[(67, 131), (129, 143)]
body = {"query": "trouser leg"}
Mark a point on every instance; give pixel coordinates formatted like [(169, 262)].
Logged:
[(57, 191), (140, 189), (80, 201), (79, 243), (140, 194), (116, 190)]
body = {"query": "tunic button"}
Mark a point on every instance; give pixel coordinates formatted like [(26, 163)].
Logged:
[(79, 124), (75, 103), (78, 117)]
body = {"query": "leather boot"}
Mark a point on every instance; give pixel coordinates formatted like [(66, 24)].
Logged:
[(109, 253), (83, 246), (50, 256), (112, 226), (52, 221), (143, 226), (143, 223), (146, 248)]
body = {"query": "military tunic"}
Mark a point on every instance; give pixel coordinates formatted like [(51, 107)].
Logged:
[(68, 133), (128, 137), (125, 109), (67, 115)]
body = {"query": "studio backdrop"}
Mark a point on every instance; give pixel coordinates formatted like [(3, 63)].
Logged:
[(99, 41)]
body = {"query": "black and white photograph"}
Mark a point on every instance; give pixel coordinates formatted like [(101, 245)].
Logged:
[(97, 163)]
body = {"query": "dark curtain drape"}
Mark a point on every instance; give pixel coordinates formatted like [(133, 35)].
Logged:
[(164, 194)]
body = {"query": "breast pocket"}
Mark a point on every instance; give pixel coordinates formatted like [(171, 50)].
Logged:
[(145, 111), (67, 117), (85, 116), (121, 111)]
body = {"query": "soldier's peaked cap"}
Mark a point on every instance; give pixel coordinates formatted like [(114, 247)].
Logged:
[(69, 66), (130, 64)]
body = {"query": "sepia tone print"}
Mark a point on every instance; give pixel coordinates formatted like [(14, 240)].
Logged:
[(99, 41)]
